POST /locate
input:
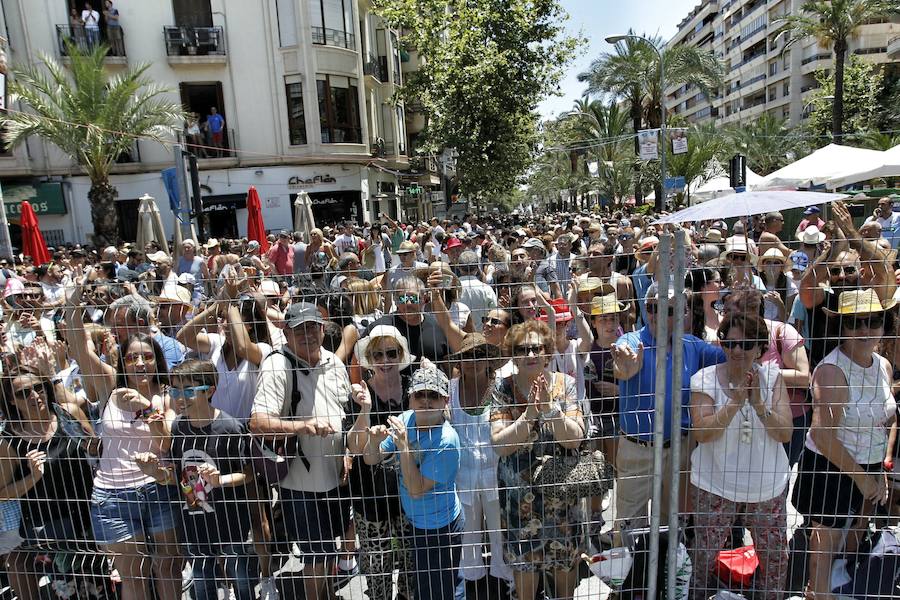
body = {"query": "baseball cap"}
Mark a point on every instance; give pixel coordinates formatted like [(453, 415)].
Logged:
[(429, 379), (302, 312), (812, 210), (562, 310), (453, 242), (160, 256), (252, 245), (533, 243)]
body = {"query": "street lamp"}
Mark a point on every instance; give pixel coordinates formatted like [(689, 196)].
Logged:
[(615, 39)]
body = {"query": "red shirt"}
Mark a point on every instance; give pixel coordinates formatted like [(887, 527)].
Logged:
[(282, 258)]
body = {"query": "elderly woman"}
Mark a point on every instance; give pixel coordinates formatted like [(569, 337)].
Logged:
[(741, 417), (535, 414), (470, 395), (841, 467), (382, 529)]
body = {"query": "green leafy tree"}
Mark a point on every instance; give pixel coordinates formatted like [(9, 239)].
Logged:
[(485, 65), (863, 83), (91, 117), (832, 23), (768, 143), (631, 73), (705, 145)]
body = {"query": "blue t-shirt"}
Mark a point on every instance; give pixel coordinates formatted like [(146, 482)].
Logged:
[(215, 122), (437, 456), (637, 395)]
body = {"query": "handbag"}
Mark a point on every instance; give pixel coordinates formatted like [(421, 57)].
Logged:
[(271, 458), (571, 476), (736, 567)]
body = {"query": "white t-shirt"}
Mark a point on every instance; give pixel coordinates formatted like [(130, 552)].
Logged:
[(91, 19), (478, 461), (728, 467), (459, 313), (236, 388), (772, 308), (571, 362), (345, 243)]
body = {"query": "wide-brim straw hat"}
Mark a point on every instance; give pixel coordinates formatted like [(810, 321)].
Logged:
[(860, 302), (381, 331), (738, 245), (606, 305), (475, 344), (424, 273), (775, 254)]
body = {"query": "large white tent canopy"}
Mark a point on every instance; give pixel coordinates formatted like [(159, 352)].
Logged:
[(887, 166), (820, 166)]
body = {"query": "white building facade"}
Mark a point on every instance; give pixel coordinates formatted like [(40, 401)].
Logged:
[(305, 88)]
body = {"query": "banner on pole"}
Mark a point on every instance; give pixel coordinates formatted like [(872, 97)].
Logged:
[(648, 141), (679, 141)]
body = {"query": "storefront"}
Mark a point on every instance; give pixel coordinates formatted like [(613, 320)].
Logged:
[(221, 216), (49, 205)]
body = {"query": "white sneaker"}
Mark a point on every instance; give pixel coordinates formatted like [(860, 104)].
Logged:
[(268, 590)]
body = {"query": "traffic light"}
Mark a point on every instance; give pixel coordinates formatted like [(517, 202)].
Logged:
[(737, 171)]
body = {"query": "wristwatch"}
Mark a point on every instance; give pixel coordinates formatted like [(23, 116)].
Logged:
[(553, 412), (765, 415)]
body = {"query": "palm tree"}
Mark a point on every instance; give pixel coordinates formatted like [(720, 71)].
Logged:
[(832, 23), (91, 117), (768, 143), (631, 72), (698, 164), (881, 141)]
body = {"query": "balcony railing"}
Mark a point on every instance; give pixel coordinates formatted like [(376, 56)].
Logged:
[(194, 41), (376, 66), (333, 37), (814, 58), (893, 46), (86, 39)]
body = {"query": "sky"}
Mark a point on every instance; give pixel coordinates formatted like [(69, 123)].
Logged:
[(597, 19)]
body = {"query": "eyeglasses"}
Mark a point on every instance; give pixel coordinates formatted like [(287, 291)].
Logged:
[(392, 354), (848, 271), (132, 358), (493, 321), (25, 393), (526, 349), (738, 257), (407, 299), (188, 392), (869, 322), (743, 344), (653, 308)]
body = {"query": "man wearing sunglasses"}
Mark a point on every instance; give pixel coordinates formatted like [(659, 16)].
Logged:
[(474, 293), (634, 366), (314, 512), (836, 270)]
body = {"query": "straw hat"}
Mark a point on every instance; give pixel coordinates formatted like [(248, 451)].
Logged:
[(774, 254), (381, 331), (713, 236), (174, 294), (424, 272), (589, 284), (860, 302), (606, 305), (475, 344), (738, 245)]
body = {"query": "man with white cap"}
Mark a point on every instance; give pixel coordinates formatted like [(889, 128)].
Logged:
[(302, 393)]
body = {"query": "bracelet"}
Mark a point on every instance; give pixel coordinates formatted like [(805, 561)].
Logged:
[(553, 413), (765, 415)]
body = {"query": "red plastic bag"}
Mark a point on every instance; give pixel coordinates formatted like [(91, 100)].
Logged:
[(736, 567)]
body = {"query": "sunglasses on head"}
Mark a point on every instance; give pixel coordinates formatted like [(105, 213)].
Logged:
[(743, 344), (407, 298), (187, 392), (526, 349), (392, 354), (875, 321), (492, 321)]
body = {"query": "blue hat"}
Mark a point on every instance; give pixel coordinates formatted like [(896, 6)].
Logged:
[(812, 210)]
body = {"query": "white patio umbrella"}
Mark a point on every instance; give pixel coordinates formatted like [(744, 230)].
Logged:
[(150, 225), (303, 216), (819, 166), (887, 166), (749, 203)]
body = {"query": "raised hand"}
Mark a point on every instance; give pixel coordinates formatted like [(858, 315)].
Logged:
[(361, 396), (398, 432), (36, 460)]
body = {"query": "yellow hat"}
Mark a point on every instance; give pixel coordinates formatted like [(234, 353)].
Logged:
[(588, 284), (606, 305), (860, 302)]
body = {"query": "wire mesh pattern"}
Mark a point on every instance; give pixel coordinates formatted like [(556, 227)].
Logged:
[(455, 412)]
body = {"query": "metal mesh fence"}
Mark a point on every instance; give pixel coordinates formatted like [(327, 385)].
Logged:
[(481, 429)]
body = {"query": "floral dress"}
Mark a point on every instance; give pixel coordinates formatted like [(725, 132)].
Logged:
[(541, 533)]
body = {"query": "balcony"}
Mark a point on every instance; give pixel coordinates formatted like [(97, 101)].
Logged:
[(323, 36), (85, 39), (815, 57), (376, 67), (195, 45), (893, 47)]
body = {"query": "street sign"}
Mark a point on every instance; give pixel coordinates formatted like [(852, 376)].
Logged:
[(674, 183)]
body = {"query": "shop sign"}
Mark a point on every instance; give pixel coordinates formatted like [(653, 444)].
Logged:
[(45, 199), (298, 183)]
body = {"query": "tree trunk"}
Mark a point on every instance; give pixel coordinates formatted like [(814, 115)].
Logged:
[(837, 108), (636, 125), (104, 216)]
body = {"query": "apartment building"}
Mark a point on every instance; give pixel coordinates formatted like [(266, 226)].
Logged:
[(761, 76), (305, 88)]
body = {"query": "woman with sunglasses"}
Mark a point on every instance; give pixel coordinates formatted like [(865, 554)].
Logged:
[(706, 287), (208, 455), (128, 507), (841, 470), (495, 325), (43, 464), (535, 413), (780, 287), (740, 258), (741, 418), (382, 529)]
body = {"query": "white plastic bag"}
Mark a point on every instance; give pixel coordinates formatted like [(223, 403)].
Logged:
[(612, 566)]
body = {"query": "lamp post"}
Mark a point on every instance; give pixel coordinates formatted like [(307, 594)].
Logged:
[(615, 39)]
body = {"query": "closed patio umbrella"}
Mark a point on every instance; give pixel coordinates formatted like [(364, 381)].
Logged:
[(303, 217), (150, 227), (33, 243), (256, 229)]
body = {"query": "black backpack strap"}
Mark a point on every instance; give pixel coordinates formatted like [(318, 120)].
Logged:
[(295, 398)]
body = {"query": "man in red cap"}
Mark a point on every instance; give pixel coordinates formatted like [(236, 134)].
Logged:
[(453, 248)]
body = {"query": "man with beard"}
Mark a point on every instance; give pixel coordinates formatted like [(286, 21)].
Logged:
[(827, 277)]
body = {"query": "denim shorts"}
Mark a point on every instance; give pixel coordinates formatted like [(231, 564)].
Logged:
[(121, 515)]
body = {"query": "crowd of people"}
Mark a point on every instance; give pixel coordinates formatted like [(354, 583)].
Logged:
[(433, 405)]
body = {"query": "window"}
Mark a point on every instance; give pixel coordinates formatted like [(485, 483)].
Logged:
[(786, 91), (296, 115), (401, 130), (332, 23), (287, 22), (192, 13), (338, 109)]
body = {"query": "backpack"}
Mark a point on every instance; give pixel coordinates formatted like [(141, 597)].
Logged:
[(272, 459)]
